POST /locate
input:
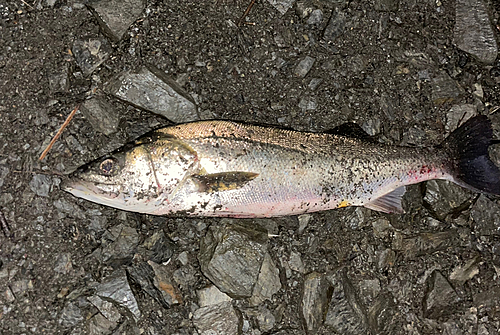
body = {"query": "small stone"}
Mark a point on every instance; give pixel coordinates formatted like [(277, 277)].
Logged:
[(265, 319), (371, 126), (335, 26), (425, 243), (473, 31), (143, 275), (282, 5), (440, 297), (116, 16), (219, 319), (458, 114), (91, 53), (486, 216), (461, 274), (211, 295), (231, 256), (386, 5), (107, 309), (101, 115), (63, 263), (444, 196), (68, 208), (115, 287), (381, 227), (304, 66), (4, 171), (183, 258), (308, 104), (488, 298), (100, 325), (122, 249), (386, 259), (317, 293), (9, 295), (303, 9), (369, 289), (41, 184), (59, 81), (163, 282), (314, 83), (295, 262), (268, 282), (304, 220), (316, 17), (160, 247), (444, 89), (71, 315), (151, 89)]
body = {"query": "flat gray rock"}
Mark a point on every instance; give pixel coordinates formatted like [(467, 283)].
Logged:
[(443, 196), (440, 298), (268, 282), (231, 256), (151, 89), (91, 53), (473, 31), (282, 5), (317, 293), (116, 16), (101, 115), (218, 319)]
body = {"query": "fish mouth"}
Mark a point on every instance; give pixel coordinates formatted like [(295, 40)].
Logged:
[(88, 190)]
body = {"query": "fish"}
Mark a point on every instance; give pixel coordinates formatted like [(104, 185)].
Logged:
[(230, 169)]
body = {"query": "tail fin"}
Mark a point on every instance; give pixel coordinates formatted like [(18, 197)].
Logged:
[(468, 149)]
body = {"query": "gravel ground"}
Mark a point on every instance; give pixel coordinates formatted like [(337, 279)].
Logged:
[(406, 71)]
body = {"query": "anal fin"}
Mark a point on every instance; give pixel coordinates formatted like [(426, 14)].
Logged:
[(224, 181), (388, 203)]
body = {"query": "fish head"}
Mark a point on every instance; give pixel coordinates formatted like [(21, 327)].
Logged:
[(136, 179)]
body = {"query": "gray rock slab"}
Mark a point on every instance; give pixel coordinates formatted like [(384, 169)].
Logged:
[(219, 319), (71, 315), (425, 243), (440, 297), (488, 298), (473, 31), (101, 114), (444, 89), (91, 53), (41, 184), (443, 196), (316, 17), (165, 285), (268, 282), (59, 80), (486, 216), (116, 16), (211, 295), (457, 115), (100, 325), (231, 256), (304, 66), (346, 314), (315, 298), (151, 89), (335, 26), (116, 288), (107, 309), (462, 273), (282, 5), (122, 249)]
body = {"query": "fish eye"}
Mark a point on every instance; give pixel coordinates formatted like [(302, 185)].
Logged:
[(108, 167)]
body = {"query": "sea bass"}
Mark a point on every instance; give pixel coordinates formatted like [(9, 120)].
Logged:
[(229, 169)]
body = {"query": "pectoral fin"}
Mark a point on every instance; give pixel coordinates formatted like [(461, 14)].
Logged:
[(225, 181), (388, 203)]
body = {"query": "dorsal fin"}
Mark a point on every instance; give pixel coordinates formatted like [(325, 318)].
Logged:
[(351, 129)]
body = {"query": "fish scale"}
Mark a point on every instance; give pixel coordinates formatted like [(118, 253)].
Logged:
[(223, 168)]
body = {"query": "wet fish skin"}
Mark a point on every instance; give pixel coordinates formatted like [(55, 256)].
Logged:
[(222, 168)]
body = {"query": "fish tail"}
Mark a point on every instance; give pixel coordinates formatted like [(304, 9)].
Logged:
[(467, 148)]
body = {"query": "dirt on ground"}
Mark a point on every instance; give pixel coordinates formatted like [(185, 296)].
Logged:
[(392, 67)]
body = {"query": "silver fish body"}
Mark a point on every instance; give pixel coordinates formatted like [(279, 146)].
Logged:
[(221, 168)]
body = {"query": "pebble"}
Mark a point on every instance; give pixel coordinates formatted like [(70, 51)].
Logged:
[(4, 171), (63, 263), (231, 256), (211, 295), (91, 53), (425, 243), (116, 288), (295, 262), (473, 31), (219, 319), (267, 284), (316, 296), (444, 196), (444, 89), (282, 5), (160, 247), (463, 273), (100, 325), (107, 309), (151, 89), (41, 184), (101, 114), (165, 285), (458, 114), (440, 297), (116, 16), (316, 17), (335, 26), (71, 315), (122, 249), (304, 66)]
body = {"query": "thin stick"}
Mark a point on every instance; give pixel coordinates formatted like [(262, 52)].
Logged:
[(68, 119), (246, 12)]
